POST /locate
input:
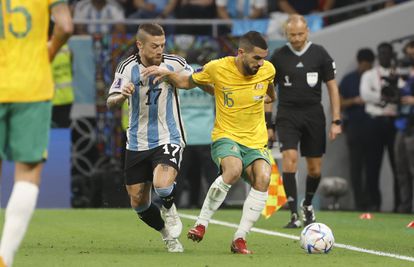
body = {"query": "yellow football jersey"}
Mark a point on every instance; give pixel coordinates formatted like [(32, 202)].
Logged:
[(24, 61), (239, 100)]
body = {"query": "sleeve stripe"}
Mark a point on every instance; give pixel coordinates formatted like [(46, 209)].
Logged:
[(177, 59), (171, 56), (122, 65)]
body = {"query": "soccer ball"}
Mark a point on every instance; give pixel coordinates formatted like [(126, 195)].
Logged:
[(316, 238)]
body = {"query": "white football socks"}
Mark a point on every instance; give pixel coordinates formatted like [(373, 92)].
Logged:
[(215, 197), (252, 208), (19, 210)]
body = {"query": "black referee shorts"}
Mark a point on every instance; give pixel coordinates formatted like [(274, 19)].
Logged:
[(304, 126)]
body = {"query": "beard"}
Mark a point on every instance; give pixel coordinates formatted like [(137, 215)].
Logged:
[(250, 71), (154, 61)]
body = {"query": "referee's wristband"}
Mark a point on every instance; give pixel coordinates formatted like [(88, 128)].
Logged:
[(268, 119)]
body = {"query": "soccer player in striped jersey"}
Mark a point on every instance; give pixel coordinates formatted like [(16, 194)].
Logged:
[(155, 136), (26, 90), (242, 86)]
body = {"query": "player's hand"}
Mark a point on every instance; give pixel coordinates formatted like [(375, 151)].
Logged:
[(157, 71), (128, 90), (334, 131)]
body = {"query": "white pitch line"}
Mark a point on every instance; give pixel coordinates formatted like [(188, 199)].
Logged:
[(274, 233)]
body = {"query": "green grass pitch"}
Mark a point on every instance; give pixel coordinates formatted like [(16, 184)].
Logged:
[(115, 237)]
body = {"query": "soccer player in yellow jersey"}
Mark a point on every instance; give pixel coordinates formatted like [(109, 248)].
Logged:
[(26, 90), (242, 86)]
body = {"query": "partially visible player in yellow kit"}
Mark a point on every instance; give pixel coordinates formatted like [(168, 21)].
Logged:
[(26, 90), (242, 86)]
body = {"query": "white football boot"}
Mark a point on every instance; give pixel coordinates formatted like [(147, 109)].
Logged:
[(173, 245), (172, 221)]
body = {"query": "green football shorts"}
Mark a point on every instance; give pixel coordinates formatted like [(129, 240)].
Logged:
[(24, 131), (225, 147)]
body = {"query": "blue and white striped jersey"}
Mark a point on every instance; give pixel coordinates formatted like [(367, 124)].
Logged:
[(154, 109)]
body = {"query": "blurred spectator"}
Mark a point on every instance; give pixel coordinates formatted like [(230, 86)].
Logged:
[(197, 108), (154, 9), (232, 9), (128, 7), (325, 5), (64, 95), (307, 8), (405, 64), (148, 9), (72, 4), (304, 7), (344, 15), (404, 141), (356, 124), (98, 10), (409, 52), (195, 9), (378, 89), (240, 9)]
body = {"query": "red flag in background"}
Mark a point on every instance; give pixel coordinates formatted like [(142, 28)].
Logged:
[(277, 196)]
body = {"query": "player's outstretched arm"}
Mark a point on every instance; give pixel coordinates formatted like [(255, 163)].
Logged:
[(62, 30), (117, 99), (178, 80)]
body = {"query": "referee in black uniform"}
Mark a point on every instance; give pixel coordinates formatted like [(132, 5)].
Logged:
[(301, 67)]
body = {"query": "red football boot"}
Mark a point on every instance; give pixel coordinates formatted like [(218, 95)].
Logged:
[(197, 233), (239, 246)]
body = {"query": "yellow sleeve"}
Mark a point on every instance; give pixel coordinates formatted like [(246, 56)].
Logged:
[(205, 74)]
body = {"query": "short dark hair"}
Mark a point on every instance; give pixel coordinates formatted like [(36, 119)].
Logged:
[(152, 29), (365, 54), (252, 39), (385, 45)]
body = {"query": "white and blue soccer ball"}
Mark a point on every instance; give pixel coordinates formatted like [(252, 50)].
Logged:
[(317, 238)]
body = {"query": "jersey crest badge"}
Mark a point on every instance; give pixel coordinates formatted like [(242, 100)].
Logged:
[(312, 78), (259, 86)]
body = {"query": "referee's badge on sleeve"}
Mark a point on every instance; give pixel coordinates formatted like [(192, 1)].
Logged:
[(312, 78)]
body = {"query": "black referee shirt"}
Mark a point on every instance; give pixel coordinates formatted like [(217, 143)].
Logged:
[(299, 75)]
